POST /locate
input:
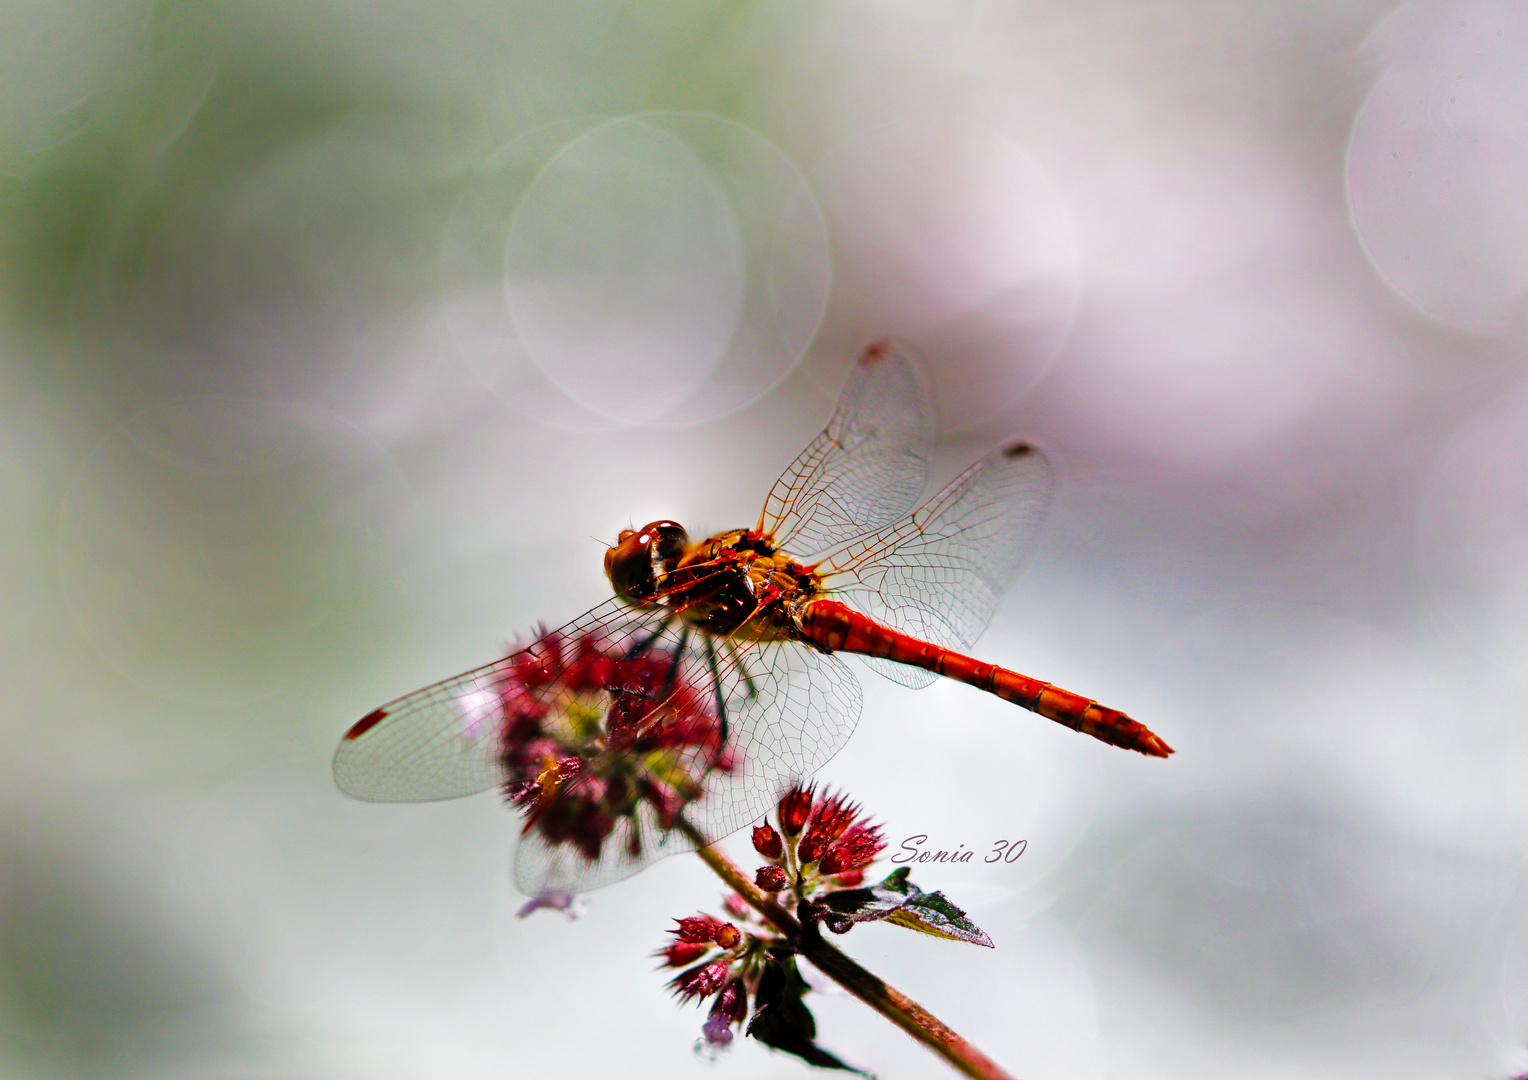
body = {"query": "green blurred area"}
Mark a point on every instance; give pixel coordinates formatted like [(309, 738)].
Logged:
[(249, 488), (127, 166), (177, 181)]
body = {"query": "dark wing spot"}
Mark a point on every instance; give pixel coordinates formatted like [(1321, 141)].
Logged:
[(365, 724), (875, 352), (1018, 450)]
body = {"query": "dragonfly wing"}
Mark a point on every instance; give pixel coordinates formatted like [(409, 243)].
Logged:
[(939, 572), (543, 868), (788, 709), (444, 741), (795, 708), (867, 467)]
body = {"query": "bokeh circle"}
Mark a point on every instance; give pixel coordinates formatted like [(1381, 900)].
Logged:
[(665, 269)]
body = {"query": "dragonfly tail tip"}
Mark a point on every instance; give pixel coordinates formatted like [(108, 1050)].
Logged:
[(1152, 746)]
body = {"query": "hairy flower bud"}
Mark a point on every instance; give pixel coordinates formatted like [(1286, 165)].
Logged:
[(795, 807), (681, 953), (855, 848), (701, 981), (830, 818), (767, 842), (771, 878), (704, 928)]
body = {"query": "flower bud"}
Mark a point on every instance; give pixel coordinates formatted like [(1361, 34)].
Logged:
[(771, 878), (795, 807), (702, 981), (728, 936), (700, 928), (681, 953), (767, 842), (829, 820), (857, 847)]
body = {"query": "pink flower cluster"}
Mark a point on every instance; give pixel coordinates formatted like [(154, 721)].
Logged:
[(596, 729), (822, 845), (731, 975), (825, 846)]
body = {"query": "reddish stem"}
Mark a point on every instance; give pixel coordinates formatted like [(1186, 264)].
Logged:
[(885, 999)]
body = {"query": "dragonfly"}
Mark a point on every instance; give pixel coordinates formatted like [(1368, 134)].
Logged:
[(677, 711)]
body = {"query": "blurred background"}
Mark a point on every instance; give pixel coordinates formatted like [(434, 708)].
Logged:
[(337, 338)]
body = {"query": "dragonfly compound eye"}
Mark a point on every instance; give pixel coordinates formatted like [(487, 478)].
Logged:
[(639, 561)]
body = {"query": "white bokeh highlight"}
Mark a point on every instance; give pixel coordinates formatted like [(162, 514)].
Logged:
[(659, 269), (1438, 161), (951, 236), (624, 271)]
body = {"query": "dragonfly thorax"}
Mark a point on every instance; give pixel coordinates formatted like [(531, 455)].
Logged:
[(733, 583), (739, 584)]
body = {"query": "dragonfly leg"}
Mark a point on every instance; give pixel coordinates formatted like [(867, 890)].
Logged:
[(716, 685)]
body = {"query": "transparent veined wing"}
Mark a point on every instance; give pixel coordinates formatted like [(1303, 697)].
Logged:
[(939, 572), (605, 734), (789, 709), (867, 467), (443, 742)]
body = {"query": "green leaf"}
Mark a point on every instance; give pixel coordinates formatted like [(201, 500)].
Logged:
[(897, 900), (782, 1020)]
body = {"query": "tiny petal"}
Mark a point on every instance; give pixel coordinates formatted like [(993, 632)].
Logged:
[(564, 902), (767, 842), (794, 809), (771, 878), (717, 1029)]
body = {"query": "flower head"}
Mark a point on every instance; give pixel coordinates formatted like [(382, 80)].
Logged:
[(853, 851), (771, 878), (831, 815), (702, 928), (767, 842), (826, 845), (600, 731), (681, 953)]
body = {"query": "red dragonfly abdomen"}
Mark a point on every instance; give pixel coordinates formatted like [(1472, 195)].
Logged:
[(831, 625)]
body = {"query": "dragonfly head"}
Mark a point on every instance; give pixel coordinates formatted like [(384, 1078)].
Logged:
[(642, 558)]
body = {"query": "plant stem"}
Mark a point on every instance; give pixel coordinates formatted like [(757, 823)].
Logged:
[(887, 1000)]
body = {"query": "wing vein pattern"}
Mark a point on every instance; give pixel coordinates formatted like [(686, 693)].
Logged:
[(866, 468), (938, 573)]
